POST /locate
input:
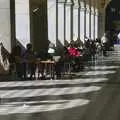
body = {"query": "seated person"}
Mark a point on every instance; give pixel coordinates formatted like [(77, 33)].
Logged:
[(43, 56), (73, 52), (60, 68)]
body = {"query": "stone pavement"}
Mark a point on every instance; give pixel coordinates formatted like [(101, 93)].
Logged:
[(93, 94)]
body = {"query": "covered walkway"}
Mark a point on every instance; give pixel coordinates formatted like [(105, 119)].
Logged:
[(92, 94)]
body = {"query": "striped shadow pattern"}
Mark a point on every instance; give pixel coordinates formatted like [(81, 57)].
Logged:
[(51, 95)]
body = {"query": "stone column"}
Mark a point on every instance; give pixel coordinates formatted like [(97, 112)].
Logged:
[(7, 32), (61, 22), (7, 15), (90, 19), (22, 17), (101, 21), (65, 42), (82, 21), (96, 23), (75, 20), (92, 22), (79, 18), (101, 16), (68, 20), (71, 37), (87, 20), (56, 21), (51, 10)]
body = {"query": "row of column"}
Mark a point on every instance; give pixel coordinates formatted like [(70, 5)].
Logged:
[(14, 22), (70, 21), (66, 21)]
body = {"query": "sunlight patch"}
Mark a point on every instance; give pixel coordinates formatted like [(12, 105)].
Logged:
[(45, 92), (104, 67), (65, 104), (49, 82)]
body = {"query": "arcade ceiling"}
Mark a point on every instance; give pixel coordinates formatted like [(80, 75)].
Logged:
[(100, 4)]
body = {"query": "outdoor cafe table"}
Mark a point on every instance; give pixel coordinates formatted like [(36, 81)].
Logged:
[(46, 67)]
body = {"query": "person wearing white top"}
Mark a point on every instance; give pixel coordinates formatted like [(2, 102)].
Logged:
[(104, 41)]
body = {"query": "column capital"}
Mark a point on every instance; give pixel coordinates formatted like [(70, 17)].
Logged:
[(69, 2), (92, 10), (82, 5), (76, 1), (76, 4), (87, 8), (96, 11)]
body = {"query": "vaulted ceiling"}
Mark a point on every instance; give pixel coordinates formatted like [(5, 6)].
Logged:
[(100, 4)]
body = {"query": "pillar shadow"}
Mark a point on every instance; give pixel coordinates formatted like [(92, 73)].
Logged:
[(59, 47)]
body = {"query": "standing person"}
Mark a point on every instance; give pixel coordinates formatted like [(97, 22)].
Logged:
[(30, 58), (16, 58), (104, 41), (118, 38)]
